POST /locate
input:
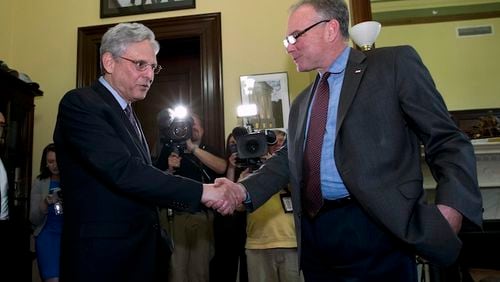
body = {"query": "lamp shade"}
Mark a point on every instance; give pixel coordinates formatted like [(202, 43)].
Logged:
[(364, 34)]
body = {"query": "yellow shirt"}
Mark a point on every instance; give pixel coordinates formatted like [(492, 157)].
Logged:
[(270, 227)]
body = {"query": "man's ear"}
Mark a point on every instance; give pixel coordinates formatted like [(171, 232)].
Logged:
[(108, 62), (333, 29)]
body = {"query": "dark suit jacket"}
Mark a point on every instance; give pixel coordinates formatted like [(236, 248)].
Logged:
[(111, 192), (388, 106)]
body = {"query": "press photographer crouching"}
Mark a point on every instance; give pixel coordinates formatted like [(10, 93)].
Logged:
[(183, 153)]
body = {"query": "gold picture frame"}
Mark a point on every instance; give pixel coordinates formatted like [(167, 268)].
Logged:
[(116, 8)]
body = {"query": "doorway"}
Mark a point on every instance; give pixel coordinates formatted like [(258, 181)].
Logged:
[(191, 51)]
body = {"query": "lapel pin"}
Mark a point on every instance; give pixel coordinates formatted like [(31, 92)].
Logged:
[(357, 71)]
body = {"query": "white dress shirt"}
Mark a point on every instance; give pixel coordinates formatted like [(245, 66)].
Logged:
[(4, 186)]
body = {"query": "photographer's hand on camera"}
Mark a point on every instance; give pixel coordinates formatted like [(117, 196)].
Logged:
[(191, 147), (245, 173), (174, 162), (232, 160)]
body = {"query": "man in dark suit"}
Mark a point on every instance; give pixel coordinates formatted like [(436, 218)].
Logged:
[(111, 190), (370, 218)]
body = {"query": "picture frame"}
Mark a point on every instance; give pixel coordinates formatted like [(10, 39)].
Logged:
[(116, 8), (270, 94)]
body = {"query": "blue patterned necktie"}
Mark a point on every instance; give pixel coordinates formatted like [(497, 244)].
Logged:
[(312, 196)]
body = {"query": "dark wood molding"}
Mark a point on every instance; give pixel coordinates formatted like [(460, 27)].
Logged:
[(386, 20), (206, 27), (361, 10)]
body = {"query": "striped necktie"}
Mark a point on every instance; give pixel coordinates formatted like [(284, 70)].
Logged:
[(130, 114)]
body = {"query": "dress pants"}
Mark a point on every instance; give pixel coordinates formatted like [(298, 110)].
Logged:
[(342, 243), (273, 265), (193, 246)]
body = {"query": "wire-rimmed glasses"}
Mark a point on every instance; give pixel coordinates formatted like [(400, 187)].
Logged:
[(142, 65)]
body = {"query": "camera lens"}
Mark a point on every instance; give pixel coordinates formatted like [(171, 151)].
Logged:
[(270, 137), (252, 146), (181, 131)]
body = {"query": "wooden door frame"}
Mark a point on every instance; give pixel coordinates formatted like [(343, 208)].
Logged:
[(361, 10), (207, 27)]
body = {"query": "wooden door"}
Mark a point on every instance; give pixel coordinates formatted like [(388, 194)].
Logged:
[(179, 83)]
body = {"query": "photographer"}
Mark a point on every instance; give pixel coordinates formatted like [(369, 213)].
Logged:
[(192, 233), (271, 246)]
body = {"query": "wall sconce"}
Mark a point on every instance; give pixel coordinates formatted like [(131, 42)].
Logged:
[(364, 34)]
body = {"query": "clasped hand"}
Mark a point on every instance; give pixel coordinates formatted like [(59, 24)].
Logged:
[(224, 196)]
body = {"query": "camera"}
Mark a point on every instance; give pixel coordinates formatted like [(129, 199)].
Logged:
[(180, 130), (56, 195), (252, 146), (175, 130)]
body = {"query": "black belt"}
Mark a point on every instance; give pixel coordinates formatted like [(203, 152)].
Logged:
[(337, 203)]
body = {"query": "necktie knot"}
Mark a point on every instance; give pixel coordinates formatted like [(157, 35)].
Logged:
[(128, 111), (324, 77)]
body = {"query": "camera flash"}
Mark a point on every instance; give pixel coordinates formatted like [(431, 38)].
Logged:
[(179, 112), (246, 110)]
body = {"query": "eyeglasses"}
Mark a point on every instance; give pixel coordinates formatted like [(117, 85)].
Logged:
[(292, 38), (142, 65)]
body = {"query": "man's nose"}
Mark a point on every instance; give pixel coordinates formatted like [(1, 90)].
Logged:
[(290, 48)]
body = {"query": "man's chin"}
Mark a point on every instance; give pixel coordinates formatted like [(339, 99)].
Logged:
[(140, 96), (302, 68)]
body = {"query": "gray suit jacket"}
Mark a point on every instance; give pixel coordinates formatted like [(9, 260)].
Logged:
[(388, 107)]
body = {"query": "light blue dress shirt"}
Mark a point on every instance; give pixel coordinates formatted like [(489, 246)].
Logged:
[(123, 103), (332, 185)]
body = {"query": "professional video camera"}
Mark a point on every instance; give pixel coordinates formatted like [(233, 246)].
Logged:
[(252, 147), (176, 127)]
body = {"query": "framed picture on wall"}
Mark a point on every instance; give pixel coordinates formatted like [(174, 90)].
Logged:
[(115, 8), (269, 92)]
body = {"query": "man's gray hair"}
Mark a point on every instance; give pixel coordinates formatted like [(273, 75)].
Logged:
[(117, 38), (329, 9)]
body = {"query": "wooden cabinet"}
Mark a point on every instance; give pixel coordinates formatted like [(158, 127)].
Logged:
[(17, 105), (16, 146)]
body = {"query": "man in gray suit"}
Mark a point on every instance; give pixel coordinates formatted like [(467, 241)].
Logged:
[(370, 218)]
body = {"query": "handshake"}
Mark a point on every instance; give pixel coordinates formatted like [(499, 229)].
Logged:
[(224, 196)]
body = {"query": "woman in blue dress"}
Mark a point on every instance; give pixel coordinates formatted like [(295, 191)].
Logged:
[(46, 215)]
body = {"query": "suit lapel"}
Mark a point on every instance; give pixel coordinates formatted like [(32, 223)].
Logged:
[(141, 146), (355, 70)]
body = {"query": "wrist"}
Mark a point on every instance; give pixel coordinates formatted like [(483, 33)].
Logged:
[(244, 194), (195, 147)]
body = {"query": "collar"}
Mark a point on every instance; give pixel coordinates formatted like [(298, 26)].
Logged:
[(123, 103), (340, 63)]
